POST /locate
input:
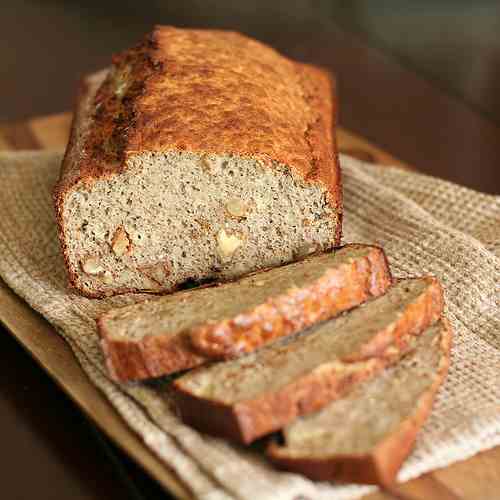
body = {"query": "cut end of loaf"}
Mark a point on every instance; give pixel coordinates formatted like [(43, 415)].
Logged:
[(177, 216), (199, 155)]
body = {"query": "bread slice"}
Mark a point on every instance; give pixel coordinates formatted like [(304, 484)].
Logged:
[(247, 398), (182, 330), (199, 155), (366, 436)]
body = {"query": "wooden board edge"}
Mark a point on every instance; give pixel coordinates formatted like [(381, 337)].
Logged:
[(55, 357)]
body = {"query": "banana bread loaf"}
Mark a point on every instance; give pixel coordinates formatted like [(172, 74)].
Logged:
[(366, 436), (249, 397), (199, 155), (182, 330)]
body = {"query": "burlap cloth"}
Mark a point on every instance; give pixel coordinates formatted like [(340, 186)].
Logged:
[(426, 226)]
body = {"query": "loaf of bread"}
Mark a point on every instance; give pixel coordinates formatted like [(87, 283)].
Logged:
[(366, 436), (183, 330), (254, 395), (198, 155)]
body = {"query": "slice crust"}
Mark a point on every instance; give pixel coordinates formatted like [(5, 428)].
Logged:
[(384, 416), (249, 397), (184, 330)]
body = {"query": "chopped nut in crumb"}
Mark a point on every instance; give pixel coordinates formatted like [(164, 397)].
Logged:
[(227, 244), (92, 266), (158, 272), (237, 207), (206, 164), (120, 242), (107, 278)]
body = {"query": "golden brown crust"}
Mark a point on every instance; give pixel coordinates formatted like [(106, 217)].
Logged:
[(272, 411), (69, 170), (154, 356), (213, 91), (418, 316), (380, 466), (338, 290), (320, 91), (204, 91), (247, 421)]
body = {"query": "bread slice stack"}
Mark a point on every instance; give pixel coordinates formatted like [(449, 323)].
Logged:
[(187, 329), (366, 436), (255, 395), (342, 359), (202, 156)]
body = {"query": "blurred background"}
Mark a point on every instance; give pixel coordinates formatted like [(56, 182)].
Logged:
[(48, 44), (387, 56)]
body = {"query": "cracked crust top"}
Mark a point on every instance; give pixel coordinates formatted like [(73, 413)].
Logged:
[(210, 91)]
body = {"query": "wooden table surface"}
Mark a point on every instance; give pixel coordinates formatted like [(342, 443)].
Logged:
[(50, 451)]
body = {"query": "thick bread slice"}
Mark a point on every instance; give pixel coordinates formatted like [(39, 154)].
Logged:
[(199, 155), (182, 330), (254, 395), (366, 436)]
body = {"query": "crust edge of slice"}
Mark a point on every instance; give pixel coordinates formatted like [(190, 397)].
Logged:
[(382, 464), (153, 356)]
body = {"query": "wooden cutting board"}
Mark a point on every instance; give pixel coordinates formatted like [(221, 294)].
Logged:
[(475, 479)]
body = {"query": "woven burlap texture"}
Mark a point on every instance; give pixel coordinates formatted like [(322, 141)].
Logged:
[(427, 226)]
